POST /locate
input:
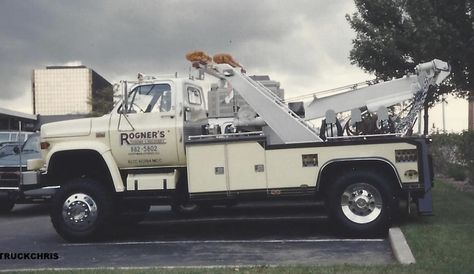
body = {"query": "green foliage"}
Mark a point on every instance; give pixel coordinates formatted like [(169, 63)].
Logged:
[(102, 101), (446, 151), (453, 154), (457, 172), (394, 36)]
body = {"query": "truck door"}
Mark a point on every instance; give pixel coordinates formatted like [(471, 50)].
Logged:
[(145, 135), (195, 112)]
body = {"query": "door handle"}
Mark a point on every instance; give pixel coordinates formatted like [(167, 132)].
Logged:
[(168, 115)]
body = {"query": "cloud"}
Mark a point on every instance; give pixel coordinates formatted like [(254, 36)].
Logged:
[(301, 43)]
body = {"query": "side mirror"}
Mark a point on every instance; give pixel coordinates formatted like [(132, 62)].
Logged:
[(16, 150)]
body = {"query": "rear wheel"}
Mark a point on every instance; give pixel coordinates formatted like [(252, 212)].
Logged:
[(362, 202), (82, 210)]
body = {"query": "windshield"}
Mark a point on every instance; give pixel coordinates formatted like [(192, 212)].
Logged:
[(150, 98), (7, 149)]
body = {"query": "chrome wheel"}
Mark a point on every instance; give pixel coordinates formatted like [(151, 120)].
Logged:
[(361, 203), (79, 211)]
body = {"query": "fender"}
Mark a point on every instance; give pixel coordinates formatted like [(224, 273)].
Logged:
[(100, 148), (373, 159)]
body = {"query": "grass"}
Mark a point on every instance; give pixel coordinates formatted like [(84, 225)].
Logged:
[(443, 243)]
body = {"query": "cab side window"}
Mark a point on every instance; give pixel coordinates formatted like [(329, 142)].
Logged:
[(150, 98), (194, 96)]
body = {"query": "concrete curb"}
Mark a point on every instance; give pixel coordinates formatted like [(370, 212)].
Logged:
[(400, 247)]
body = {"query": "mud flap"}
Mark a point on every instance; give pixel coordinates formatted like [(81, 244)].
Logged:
[(425, 204)]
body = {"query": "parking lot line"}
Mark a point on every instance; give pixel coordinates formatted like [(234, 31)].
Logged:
[(224, 242), (125, 268)]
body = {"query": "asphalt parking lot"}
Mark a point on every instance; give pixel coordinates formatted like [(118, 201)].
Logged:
[(239, 236)]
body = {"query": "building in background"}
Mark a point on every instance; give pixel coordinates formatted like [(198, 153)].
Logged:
[(219, 108), (65, 90)]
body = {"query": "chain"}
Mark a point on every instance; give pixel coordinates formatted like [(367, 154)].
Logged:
[(419, 99)]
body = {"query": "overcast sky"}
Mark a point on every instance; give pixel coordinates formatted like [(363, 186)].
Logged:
[(303, 44)]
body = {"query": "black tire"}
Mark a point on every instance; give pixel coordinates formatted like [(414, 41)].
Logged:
[(362, 203), (132, 213), (6, 205), (90, 207)]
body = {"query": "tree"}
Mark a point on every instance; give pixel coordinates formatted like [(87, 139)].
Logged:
[(102, 101), (393, 36)]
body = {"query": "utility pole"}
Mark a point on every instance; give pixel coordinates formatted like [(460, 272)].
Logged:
[(443, 103), (470, 121)]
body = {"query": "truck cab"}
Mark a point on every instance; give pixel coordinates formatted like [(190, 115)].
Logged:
[(147, 130), (151, 128)]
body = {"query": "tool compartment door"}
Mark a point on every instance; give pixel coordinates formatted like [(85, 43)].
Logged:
[(246, 164), (230, 167), (207, 170)]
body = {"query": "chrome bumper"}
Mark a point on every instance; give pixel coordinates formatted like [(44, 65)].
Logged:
[(15, 180)]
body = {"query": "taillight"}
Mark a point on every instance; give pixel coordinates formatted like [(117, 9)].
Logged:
[(406, 155)]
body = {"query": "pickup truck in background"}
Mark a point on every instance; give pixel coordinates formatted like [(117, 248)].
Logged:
[(12, 163)]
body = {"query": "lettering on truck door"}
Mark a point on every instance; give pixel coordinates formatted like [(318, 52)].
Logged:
[(147, 135)]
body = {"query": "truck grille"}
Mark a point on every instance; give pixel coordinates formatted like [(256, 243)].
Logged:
[(9, 177)]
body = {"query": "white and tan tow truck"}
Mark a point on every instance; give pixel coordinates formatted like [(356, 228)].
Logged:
[(155, 148)]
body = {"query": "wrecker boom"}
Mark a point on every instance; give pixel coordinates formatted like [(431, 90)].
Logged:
[(384, 94), (285, 126)]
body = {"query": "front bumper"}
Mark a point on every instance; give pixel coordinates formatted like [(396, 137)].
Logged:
[(24, 186)]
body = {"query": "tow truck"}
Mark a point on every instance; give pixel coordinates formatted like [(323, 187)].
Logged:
[(157, 147)]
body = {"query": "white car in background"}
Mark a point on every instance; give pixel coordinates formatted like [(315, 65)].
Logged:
[(14, 136)]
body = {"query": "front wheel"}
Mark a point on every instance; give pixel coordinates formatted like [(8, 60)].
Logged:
[(362, 203), (82, 210)]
